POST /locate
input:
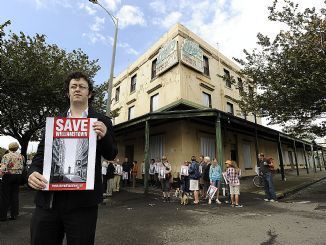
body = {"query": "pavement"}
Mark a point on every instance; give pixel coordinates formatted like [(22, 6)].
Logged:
[(283, 188), (130, 217)]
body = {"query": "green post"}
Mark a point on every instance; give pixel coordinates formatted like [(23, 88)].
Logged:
[(280, 154), (305, 157), (313, 157), (295, 157), (146, 157), (319, 160), (219, 143), (322, 154)]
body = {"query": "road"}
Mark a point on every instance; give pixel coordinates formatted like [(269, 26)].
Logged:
[(130, 218)]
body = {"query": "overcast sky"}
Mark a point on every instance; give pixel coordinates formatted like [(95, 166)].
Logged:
[(229, 25)]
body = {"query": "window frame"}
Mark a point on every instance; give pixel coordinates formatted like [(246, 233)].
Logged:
[(117, 94), (151, 102), (209, 99), (133, 82), (231, 106), (206, 65), (130, 108), (227, 76)]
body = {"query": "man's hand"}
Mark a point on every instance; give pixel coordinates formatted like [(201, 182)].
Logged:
[(37, 181), (100, 128)]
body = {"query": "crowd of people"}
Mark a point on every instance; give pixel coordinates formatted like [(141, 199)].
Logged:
[(200, 180)]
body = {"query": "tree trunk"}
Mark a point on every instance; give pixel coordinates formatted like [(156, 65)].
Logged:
[(24, 144)]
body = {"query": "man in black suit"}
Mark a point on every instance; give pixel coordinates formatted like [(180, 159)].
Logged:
[(71, 213)]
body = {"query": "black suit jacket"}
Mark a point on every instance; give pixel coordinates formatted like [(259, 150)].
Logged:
[(106, 147)]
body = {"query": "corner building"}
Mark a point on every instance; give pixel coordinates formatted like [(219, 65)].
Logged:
[(173, 101)]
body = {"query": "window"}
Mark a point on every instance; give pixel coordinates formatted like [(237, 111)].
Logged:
[(247, 156), (240, 85), (117, 94), (229, 108), (131, 112), (207, 99), (206, 66), (154, 102), (156, 146), (133, 83), (227, 78), (208, 146), (153, 68)]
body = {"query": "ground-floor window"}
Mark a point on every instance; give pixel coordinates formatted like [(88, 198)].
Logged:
[(246, 156), (156, 147), (207, 146)]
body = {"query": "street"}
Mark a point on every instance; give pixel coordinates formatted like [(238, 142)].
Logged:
[(131, 218)]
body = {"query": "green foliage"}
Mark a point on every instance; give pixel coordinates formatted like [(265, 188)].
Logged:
[(32, 74), (289, 71)]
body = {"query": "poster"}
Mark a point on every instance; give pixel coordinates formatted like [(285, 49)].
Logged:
[(70, 152), (211, 191), (184, 170), (161, 173)]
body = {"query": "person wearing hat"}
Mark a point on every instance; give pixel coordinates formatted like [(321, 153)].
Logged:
[(11, 168)]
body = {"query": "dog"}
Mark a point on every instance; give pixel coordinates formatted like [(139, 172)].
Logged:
[(177, 192), (184, 199)]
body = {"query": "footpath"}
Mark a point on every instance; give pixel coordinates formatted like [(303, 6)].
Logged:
[(283, 188)]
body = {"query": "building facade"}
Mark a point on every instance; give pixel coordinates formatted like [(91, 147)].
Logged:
[(180, 99)]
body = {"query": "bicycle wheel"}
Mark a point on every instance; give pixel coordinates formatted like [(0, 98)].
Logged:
[(258, 181)]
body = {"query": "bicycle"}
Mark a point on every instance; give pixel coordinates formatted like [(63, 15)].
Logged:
[(258, 179)]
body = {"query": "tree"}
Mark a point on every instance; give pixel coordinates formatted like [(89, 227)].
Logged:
[(32, 74), (289, 71)]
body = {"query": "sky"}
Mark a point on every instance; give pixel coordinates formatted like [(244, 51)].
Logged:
[(228, 25)]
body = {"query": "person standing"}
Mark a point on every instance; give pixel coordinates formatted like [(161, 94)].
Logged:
[(134, 173), (117, 175), (126, 167), (202, 166), (72, 214), (215, 174), (233, 174), (265, 166), (194, 175), (151, 170), (104, 176), (110, 178), (11, 168), (205, 176), (165, 177)]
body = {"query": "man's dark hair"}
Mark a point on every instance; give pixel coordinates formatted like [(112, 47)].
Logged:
[(78, 75), (193, 158)]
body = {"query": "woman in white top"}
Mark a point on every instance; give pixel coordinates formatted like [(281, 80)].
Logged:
[(165, 176)]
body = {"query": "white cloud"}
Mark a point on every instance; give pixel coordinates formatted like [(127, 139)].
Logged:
[(130, 15), (97, 26), (169, 20), (90, 10), (158, 6), (96, 37), (111, 5)]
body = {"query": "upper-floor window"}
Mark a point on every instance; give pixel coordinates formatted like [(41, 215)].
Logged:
[(133, 83), (154, 68), (240, 85), (154, 102), (131, 112), (227, 78), (206, 66), (229, 108), (117, 94), (207, 100)]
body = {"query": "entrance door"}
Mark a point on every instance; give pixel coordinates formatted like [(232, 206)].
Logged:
[(129, 152)]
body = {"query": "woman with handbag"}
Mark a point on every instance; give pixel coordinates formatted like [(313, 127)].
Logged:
[(165, 176)]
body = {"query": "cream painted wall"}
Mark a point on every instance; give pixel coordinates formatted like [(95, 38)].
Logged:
[(176, 83)]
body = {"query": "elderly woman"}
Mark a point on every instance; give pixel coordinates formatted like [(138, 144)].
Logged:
[(11, 168)]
